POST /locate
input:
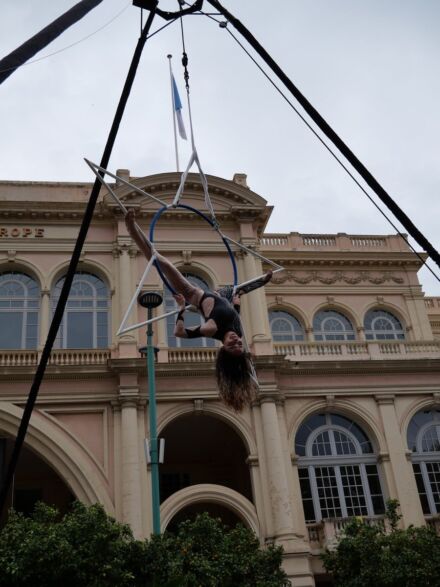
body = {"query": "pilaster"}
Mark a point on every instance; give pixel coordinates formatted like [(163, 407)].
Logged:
[(44, 317), (259, 324), (131, 494), (296, 560), (403, 480)]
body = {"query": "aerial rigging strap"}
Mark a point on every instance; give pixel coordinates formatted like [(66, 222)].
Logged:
[(64, 294), (39, 41), (332, 135)]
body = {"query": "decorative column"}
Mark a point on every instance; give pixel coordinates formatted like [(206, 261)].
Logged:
[(403, 480), (126, 287), (282, 513), (296, 551), (44, 317), (131, 493), (256, 300)]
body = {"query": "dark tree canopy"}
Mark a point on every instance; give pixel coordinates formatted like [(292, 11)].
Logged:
[(384, 555), (88, 548)]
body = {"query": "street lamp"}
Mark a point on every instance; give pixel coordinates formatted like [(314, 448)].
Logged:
[(151, 300)]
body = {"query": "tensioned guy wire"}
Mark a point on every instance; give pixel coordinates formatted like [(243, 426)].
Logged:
[(32, 61), (321, 140), (62, 300), (332, 135)]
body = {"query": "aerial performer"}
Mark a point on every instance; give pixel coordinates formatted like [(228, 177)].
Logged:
[(236, 385)]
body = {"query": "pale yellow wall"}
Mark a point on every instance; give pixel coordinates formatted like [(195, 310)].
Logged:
[(97, 412)]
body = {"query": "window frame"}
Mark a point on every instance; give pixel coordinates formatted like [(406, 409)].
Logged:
[(25, 309), (298, 335), (321, 335), (94, 308), (393, 334), (359, 460), (423, 458)]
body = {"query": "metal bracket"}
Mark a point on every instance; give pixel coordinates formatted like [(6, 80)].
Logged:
[(152, 5)]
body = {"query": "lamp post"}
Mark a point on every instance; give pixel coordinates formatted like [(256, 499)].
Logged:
[(151, 300)]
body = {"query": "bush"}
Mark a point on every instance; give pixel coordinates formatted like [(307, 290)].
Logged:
[(385, 556), (87, 548)]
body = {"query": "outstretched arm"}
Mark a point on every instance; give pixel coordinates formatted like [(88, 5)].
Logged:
[(255, 284)]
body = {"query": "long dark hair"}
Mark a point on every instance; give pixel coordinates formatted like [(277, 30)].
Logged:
[(235, 384)]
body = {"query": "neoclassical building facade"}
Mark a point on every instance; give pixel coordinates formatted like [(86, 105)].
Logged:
[(346, 348)]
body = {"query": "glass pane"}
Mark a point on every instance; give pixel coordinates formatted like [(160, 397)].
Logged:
[(321, 445), (344, 445), (417, 422), (421, 488), (328, 492), (433, 470), (80, 330), (430, 440), (310, 425), (306, 493), (375, 489), (11, 330), (382, 325), (285, 327), (353, 490)]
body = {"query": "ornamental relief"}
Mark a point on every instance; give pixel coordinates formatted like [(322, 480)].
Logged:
[(351, 278)]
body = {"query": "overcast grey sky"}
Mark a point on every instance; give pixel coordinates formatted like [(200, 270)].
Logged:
[(370, 67)]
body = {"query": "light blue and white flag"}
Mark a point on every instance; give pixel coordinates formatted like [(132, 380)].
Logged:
[(178, 109)]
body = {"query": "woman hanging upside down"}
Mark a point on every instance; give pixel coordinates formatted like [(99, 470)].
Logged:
[(222, 322)]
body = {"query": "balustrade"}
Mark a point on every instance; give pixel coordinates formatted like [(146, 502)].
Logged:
[(353, 350), (326, 533), (65, 357), (294, 240)]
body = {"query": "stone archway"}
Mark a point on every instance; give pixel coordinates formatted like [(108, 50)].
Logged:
[(215, 510), (64, 455), (214, 499), (34, 480), (200, 449)]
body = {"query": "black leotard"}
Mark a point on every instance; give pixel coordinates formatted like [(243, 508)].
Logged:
[(224, 314)]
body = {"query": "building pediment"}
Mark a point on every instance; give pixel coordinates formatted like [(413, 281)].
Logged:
[(229, 198)]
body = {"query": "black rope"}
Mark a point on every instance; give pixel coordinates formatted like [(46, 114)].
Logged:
[(184, 53), (321, 140), (59, 311), (36, 43), (331, 134)]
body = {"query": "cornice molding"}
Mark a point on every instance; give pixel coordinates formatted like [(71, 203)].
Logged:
[(329, 278)]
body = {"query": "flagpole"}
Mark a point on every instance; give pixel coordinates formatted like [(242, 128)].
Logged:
[(173, 108)]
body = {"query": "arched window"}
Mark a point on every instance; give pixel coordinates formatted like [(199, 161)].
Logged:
[(285, 327), (424, 443), (85, 323), (382, 325), (191, 319), (332, 325), (19, 305), (337, 469)]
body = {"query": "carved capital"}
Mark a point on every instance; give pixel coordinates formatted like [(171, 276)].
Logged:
[(198, 406), (187, 257), (252, 461), (385, 399), (133, 252)]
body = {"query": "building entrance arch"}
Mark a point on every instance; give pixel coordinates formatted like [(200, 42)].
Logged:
[(62, 452), (213, 499), (201, 448)]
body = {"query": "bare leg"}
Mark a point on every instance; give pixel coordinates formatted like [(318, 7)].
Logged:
[(178, 282)]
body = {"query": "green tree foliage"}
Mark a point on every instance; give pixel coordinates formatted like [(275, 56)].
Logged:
[(385, 556), (204, 553), (87, 548)]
